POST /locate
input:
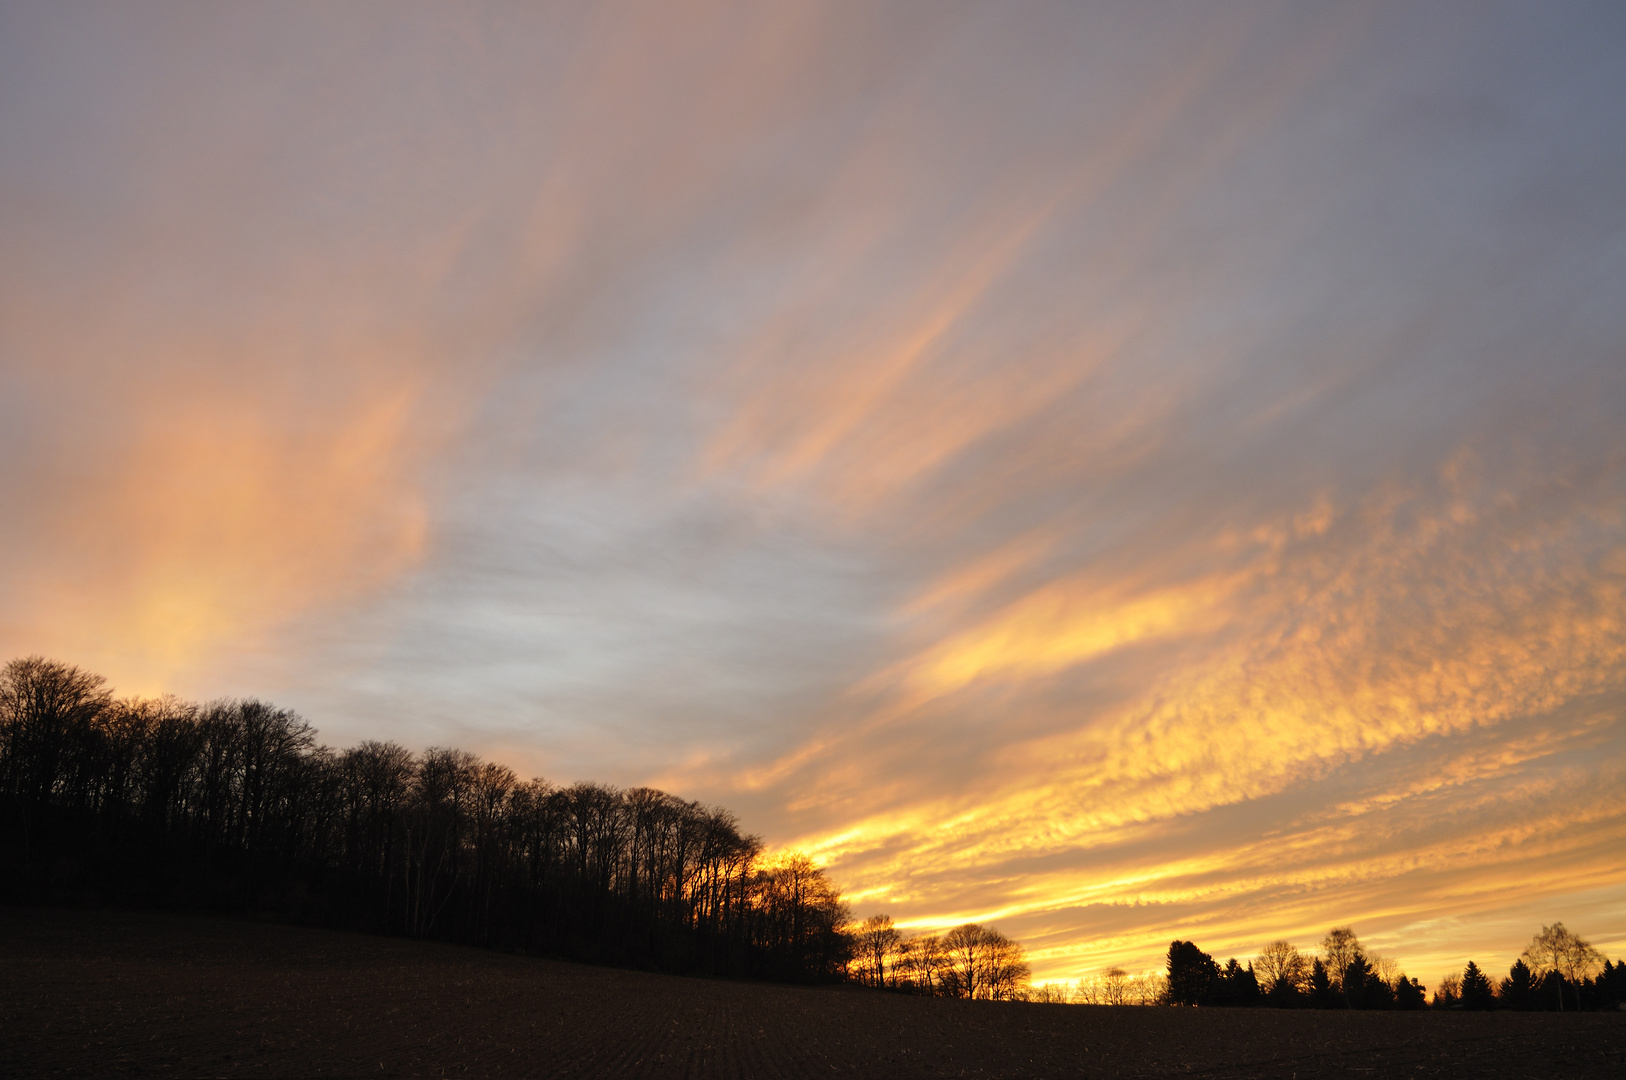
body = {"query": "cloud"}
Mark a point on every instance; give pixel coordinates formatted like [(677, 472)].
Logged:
[(1118, 475)]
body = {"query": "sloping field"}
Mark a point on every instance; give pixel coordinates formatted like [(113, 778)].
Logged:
[(109, 993)]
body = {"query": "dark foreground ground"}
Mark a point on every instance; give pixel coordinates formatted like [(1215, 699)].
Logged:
[(92, 993)]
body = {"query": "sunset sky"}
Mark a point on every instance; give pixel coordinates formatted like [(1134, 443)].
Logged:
[(1116, 472)]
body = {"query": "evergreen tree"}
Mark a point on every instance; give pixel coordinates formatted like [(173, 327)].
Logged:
[(1322, 994), (1515, 991), (1249, 992), (1238, 985), (1378, 993), (1612, 985), (1355, 983), (1476, 989), (1192, 974), (1409, 994), (1549, 992)]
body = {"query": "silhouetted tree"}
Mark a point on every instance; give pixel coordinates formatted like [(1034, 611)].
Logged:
[(1237, 985), (1515, 991), (1115, 986), (1192, 974), (233, 805), (983, 963), (48, 714), (1612, 985), (1379, 993), (876, 943), (1410, 995), (1283, 972), (800, 919), (1323, 994), (1556, 951), (1340, 948), (1049, 994), (1476, 989), (1448, 995), (1356, 978), (923, 962)]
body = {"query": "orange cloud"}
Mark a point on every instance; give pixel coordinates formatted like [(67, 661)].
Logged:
[(220, 519)]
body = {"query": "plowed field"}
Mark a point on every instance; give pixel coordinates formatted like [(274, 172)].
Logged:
[(110, 993)]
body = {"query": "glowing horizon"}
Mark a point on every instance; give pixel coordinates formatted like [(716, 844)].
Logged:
[(1121, 473)]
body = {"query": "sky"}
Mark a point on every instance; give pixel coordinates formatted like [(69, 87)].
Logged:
[(1113, 472)]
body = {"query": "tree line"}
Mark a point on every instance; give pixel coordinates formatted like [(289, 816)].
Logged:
[(969, 961), (1558, 970), (234, 805)]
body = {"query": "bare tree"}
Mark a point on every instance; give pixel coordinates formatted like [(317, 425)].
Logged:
[(44, 708), (1340, 948), (1049, 994), (1152, 988), (1281, 968), (877, 942), (235, 797), (983, 963), (1007, 970), (1088, 991), (1555, 949), (923, 960), (963, 947)]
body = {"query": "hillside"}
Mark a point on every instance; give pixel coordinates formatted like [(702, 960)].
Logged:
[(97, 993)]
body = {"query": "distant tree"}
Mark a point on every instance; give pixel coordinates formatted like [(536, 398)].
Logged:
[(1237, 985), (1283, 972), (1192, 974), (877, 943), (1449, 993), (1380, 991), (1410, 995), (1050, 994), (1387, 970), (1323, 993), (1339, 948), (1152, 988), (1612, 985), (1115, 986), (1008, 970), (47, 710), (1355, 980), (803, 917), (1516, 991), (1557, 951), (1549, 991), (1476, 989), (983, 963), (1250, 993), (924, 962), (232, 804), (1579, 962)]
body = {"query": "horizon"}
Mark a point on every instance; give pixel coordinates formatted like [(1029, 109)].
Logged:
[(1113, 474)]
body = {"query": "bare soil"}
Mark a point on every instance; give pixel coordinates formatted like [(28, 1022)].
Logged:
[(134, 993)]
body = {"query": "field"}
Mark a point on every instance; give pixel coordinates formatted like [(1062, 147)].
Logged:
[(95, 993)]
